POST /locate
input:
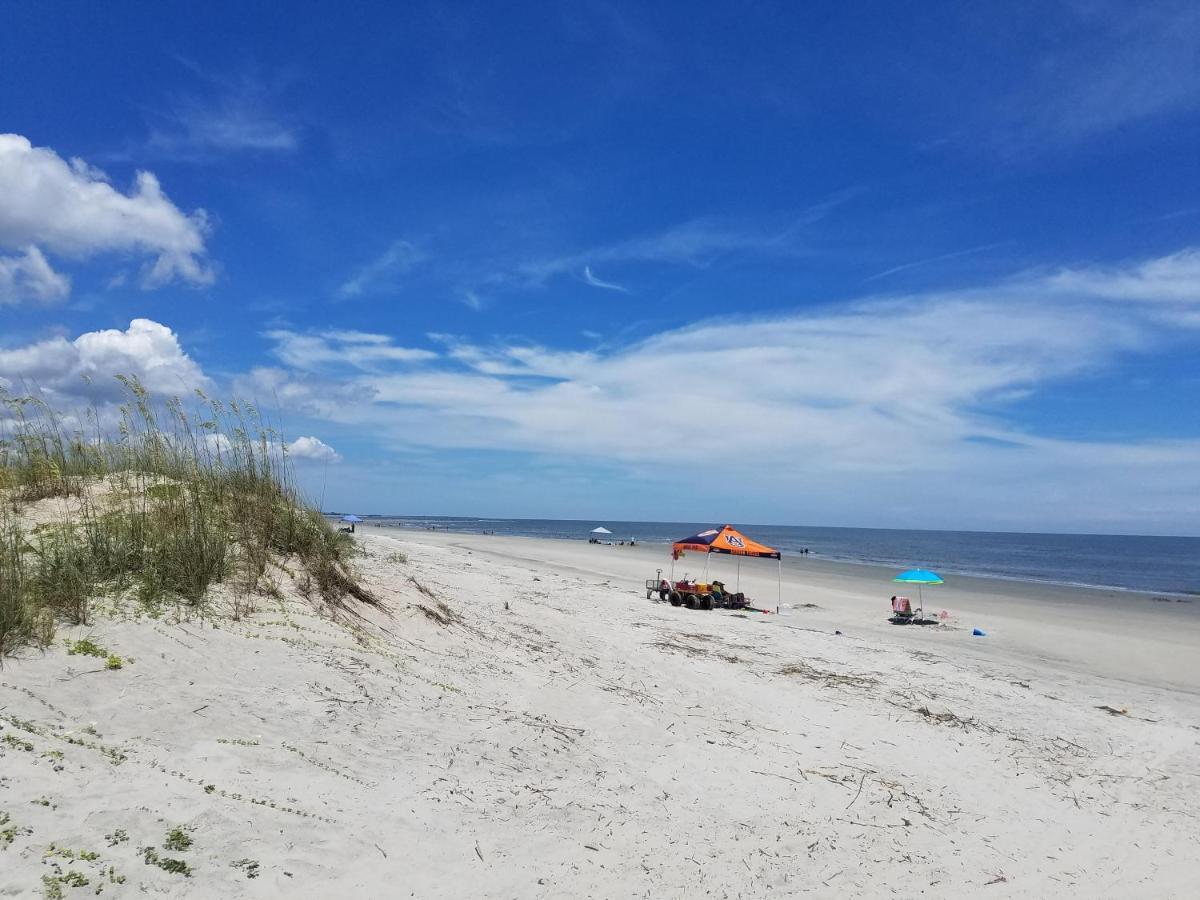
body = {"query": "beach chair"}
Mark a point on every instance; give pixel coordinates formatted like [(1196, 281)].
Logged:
[(903, 612)]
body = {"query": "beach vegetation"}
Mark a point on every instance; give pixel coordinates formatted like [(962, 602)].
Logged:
[(17, 743), (177, 839), (157, 501), (166, 863), (52, 885), (248, 866), (85, 647), (68, 854), (10, 831)]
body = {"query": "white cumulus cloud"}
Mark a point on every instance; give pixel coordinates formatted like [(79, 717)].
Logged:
[(312, 449), (70, 209), (85, 368), (30, 276)]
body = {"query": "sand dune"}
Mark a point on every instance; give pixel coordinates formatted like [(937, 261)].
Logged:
[(519, 721)]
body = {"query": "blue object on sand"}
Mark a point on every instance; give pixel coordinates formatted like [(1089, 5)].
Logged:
[(351, 518), (979, 632)]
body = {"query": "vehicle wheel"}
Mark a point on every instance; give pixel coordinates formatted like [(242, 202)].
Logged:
[(675, 598), (691, 600), (706, 602)]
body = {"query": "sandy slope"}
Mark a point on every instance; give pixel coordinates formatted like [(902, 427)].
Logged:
[(541, 730)]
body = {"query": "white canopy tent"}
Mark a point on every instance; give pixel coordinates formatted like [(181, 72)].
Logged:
[(601, 530)]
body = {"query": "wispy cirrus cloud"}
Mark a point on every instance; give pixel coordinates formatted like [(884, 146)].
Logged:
[(340, 348), (1108, 65), (383, 272), (1172, 280), (478, 269), (875, 397), (696, 243), (931, 260), (600, 283), (226, 115)]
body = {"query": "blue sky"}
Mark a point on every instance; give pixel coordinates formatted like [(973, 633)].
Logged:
[(844, 264)]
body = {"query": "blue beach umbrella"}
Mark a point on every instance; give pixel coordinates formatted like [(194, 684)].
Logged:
[(351, 518), (919, 577)]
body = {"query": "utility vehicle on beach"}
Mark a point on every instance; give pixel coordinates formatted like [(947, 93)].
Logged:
[(707, 594), (695, 594)]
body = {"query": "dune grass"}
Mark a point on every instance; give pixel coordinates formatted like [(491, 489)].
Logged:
[(159, 500)]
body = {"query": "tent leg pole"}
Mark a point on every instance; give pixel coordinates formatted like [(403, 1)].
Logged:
[(738, 589), (779, 587)]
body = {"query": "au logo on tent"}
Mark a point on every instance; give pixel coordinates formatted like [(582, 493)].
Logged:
[(735, 541)]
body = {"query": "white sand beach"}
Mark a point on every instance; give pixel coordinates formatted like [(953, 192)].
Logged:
[(518, 720)]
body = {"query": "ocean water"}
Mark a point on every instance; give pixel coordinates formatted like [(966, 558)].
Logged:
[(1138, 563)]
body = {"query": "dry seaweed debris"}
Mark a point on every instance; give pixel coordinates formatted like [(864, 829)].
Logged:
[(810, 673), (678, 647), (437, 608), (945, 717), (688, 650)]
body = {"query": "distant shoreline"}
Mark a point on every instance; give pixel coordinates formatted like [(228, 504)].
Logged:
[(818, 561), (750, 525)]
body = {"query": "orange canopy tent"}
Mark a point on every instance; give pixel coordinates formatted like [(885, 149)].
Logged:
[(725, 539), (730, 541)]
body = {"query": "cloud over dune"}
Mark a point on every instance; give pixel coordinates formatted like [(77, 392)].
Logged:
[(312, 449), (85, 368)]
